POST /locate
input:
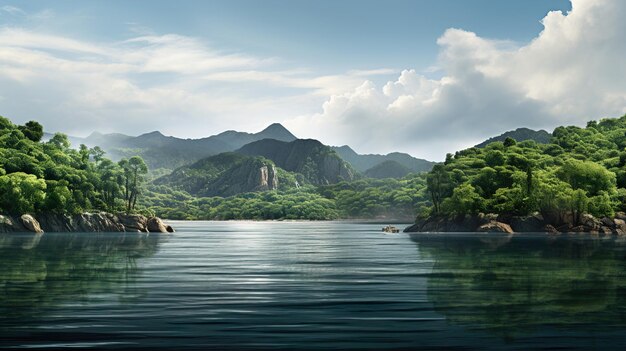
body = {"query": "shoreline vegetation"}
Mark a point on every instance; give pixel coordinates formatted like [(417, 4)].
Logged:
[(573, 182)]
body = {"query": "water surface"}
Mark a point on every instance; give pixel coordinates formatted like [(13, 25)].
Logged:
[(310, 285)]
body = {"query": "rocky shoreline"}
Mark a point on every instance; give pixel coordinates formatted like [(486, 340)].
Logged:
[(85, 222), (493, 223)]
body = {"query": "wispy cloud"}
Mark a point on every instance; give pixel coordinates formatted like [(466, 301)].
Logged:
[(570, 73), (153, 82), (12, 10)]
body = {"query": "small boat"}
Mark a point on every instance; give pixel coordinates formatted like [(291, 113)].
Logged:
[(391, 229)]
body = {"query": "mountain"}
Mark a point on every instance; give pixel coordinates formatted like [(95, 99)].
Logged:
[(160, 151), (316, 162), (364, 162), (227, 174), (520, 134), (387, 169)]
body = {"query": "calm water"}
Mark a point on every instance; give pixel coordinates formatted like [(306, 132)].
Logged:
[(300, 285)]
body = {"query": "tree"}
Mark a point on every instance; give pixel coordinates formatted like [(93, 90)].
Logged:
[(509, 142), (578, 204), (111, 181), (97, 153), (438, 185), (587, 175), (134, 171), (464, 200), (32, 130), (60, 141), (21, 193)]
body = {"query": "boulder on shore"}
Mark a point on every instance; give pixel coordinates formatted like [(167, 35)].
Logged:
[(84, 222), (495, 227), (156, 225), (30, 223)]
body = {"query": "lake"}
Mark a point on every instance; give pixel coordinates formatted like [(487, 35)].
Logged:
[(310, 285)]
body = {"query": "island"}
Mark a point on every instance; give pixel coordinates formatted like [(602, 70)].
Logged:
[(574, 183)]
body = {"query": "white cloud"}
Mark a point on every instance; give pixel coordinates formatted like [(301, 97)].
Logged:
[(12, 10), (573, 71), (174, 83)]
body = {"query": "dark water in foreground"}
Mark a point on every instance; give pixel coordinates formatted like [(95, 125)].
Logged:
[(326, 285)]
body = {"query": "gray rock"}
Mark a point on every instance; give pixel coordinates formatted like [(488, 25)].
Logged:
[(620, 226), (607, 222), (620, 215), (134, 223), (30, 223), (8, 224), (495, 227), (550, 229), (156, 225), (527, 224)]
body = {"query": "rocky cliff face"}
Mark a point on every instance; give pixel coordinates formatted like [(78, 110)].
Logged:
[(318, 163), (225, 174), (268, 178), (85, 222), (253, 174)]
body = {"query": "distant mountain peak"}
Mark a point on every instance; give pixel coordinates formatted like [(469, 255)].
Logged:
[(520, 134), (94, 135), (155, 133), (277, 131)]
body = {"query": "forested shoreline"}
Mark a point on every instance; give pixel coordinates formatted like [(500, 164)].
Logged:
[(581, 171), (52, 176)]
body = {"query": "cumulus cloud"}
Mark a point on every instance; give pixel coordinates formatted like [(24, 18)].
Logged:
[(573, 71), (173, 83)]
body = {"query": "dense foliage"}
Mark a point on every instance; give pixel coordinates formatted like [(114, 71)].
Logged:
[(50, 176), (580, 171), (366, 198)]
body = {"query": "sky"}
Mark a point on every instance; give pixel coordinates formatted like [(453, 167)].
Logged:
[(424, 77)]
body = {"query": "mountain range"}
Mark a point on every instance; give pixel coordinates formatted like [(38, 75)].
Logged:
[(234, 162), (402, 163), (160, 151), (169, 153)]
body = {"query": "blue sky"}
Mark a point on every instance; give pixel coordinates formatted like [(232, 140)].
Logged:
[(345, 72), (329, 36)]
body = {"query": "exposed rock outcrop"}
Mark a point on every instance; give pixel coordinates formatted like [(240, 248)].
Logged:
[(134, 223), (495, 227), (318, 163), (521, 224), (85, 222), (155, 224), (30, 223)]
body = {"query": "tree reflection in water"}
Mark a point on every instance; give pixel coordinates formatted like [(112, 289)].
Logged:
[(41, 271), (513, 285)]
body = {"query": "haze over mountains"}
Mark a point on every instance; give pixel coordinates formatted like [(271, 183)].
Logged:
[(169, 153), (233, 162)]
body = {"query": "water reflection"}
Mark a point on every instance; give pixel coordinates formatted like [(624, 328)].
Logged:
[(512, 285), (43, 271)]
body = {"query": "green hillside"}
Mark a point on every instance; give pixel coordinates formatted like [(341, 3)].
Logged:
[(317, 163), (364, 162), (228, 174), (387, 169), (521, 134), (582, 170)]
